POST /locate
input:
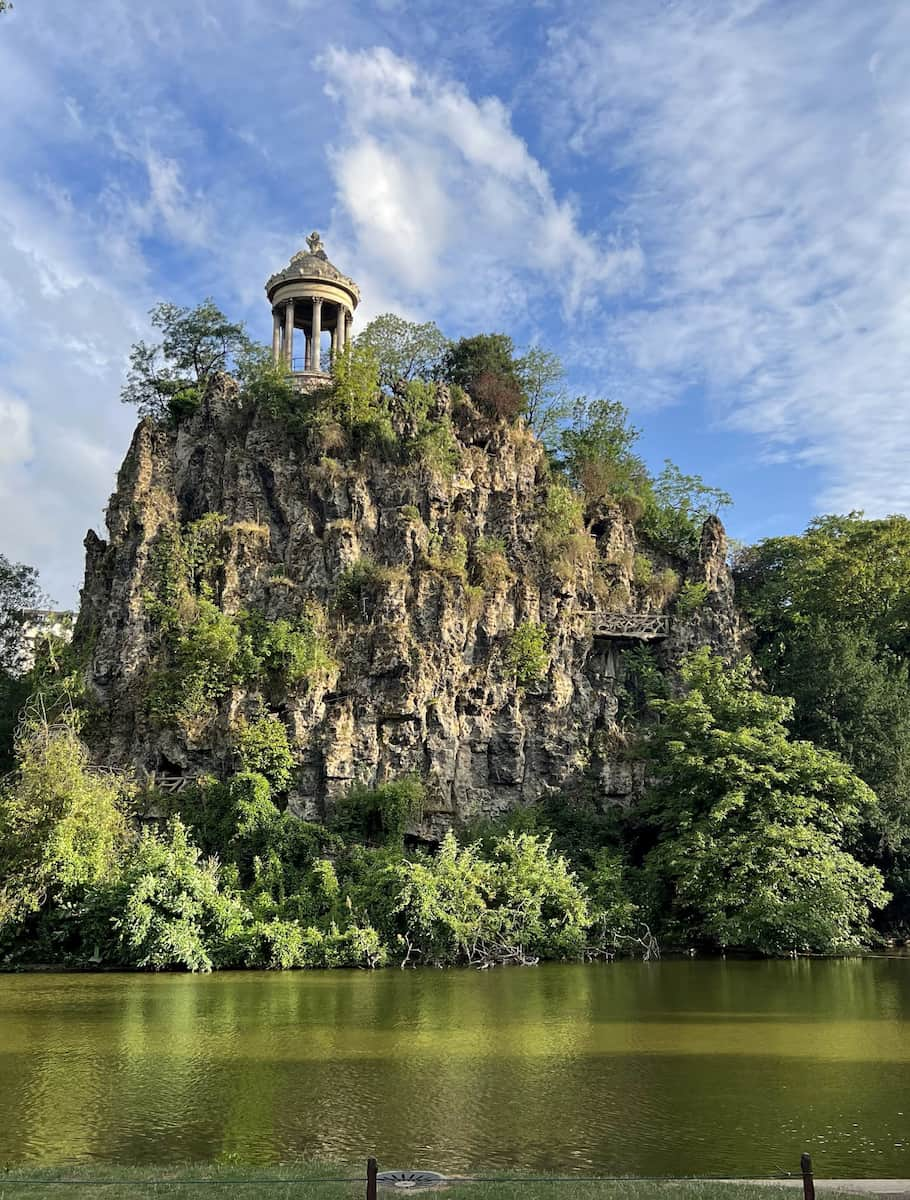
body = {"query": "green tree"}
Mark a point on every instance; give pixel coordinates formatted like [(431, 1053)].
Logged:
[(677, 508), (63, 827), (169, 379), (485, 366), (19, 593), (745, 828), (547, 404), (831, 615), (403, 349), (596, 452), (263, 747)]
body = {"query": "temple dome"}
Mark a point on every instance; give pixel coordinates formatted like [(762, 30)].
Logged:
[(313, 265)]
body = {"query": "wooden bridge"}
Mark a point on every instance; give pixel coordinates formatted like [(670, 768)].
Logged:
[(646, 627)]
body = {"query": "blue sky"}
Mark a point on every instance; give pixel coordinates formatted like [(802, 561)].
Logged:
[(704, 207)]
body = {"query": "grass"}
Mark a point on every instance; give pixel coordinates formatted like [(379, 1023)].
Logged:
[(319, 1182)]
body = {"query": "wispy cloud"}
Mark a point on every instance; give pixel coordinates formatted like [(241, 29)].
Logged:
[(763, 155), (446, 198)]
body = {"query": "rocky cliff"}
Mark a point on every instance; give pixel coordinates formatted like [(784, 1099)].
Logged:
[(416, 580)]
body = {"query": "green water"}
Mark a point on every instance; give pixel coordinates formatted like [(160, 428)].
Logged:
[(665, 1068)]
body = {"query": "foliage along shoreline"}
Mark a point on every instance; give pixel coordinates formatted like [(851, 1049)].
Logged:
[(747, 840)]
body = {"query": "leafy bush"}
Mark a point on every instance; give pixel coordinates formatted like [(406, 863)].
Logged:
[(381, 813), (449, 560), (268, 384), (491, 564), (691, 597), (263, 747), (432, 439), (561, 521), (663, 586), (174, 910), (518, 905), (206, 664), (527, 652), (283, 653), (355, 399), (63, 827), (358, 587), (642, 570)]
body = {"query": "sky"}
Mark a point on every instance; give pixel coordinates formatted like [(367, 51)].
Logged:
[(703, 207)]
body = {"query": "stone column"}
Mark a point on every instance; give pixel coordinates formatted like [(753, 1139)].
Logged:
[(317, 332), (340, 327), (289, 333), (276, 335), (348, 323)]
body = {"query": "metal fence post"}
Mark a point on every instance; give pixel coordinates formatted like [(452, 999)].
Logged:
[(805, 1165), (372, 1172)]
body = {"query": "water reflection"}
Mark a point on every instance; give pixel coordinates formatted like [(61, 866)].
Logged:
[(675, 1067)]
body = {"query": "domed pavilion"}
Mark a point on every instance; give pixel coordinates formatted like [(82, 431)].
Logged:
[(311, 295)]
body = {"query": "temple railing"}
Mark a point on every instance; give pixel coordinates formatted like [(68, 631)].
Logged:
[(644, 626)]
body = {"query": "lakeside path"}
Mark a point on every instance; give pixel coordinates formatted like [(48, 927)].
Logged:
[(897, 1188), (308, 1181)]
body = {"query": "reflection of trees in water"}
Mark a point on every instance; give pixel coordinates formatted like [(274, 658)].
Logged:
[(628, 1067)]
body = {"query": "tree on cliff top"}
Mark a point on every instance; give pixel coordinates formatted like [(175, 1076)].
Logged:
[(168, 380), (404, 349), (486, 367)]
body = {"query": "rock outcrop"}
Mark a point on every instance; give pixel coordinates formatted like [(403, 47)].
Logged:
[(424, 681)]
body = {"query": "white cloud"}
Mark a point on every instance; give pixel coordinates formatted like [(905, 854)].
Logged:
[(761, 151), (62, 431), (444, 196), (15, 433)]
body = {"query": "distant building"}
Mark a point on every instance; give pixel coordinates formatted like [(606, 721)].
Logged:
[(41, 625)]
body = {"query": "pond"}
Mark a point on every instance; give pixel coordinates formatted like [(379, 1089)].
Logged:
[(693, 1067)]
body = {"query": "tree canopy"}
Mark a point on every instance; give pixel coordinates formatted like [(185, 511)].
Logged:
[(19, 592), (749, 827), (404, 350), (486, 367), (169, 379), (831, 614)]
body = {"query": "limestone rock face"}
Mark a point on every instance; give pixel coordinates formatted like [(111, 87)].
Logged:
[(423, 681)]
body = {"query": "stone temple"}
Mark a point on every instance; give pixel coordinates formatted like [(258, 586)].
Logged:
[(311, 295)]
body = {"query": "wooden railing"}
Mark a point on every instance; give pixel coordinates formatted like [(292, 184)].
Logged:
[(644, 626), (170, 783)]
